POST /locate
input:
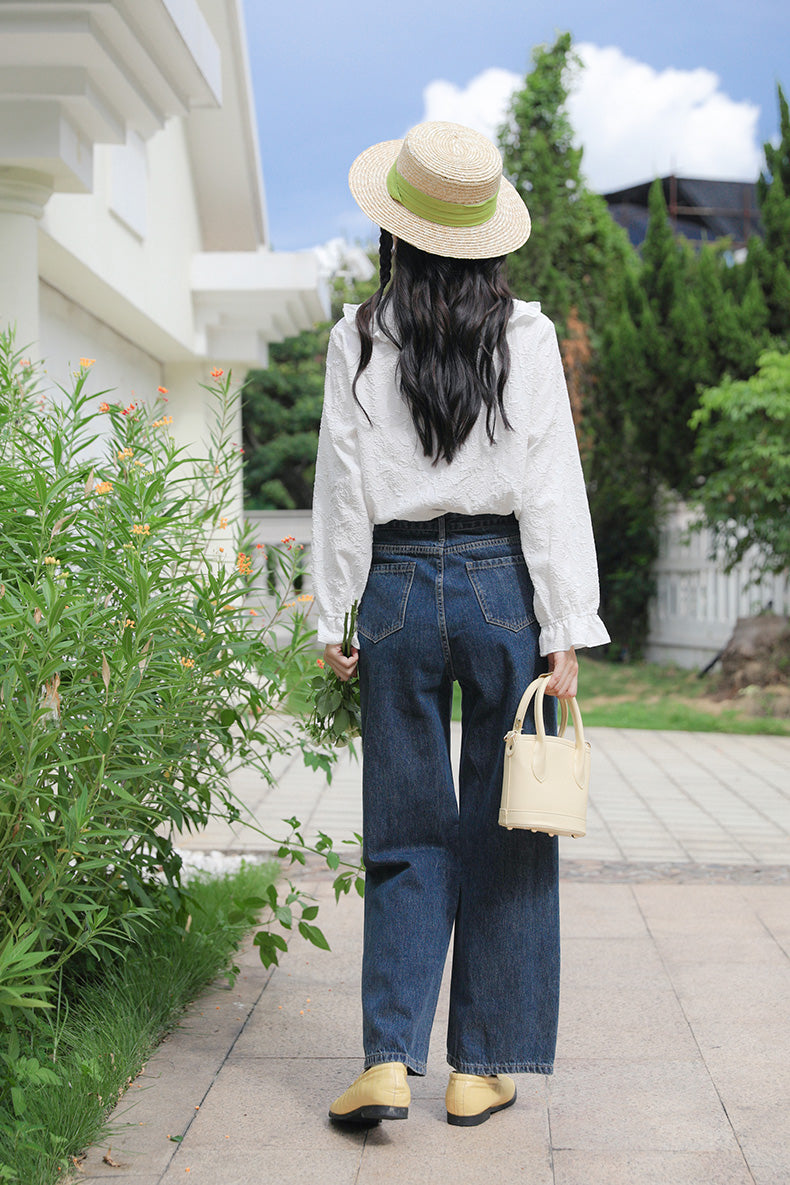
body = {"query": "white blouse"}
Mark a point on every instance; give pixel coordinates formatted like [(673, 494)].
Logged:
[(373, 472)]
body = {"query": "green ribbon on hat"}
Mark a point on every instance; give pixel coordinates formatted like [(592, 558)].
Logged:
[(434, 209)]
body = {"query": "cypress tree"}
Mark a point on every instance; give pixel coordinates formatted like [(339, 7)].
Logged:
[(772, 260)]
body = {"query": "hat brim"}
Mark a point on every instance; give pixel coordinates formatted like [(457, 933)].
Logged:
[(506, 231)]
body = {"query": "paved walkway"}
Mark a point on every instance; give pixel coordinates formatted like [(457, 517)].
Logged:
[(673, 1061)]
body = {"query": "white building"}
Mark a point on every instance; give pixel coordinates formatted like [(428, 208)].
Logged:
[(132, 214)]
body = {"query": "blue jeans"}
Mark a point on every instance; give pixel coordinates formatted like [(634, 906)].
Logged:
[(451, 599)]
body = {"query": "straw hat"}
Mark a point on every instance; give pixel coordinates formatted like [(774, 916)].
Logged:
[(441, 189)]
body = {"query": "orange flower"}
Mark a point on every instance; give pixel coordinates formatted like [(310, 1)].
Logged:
[(162, 390), (87, 362), (102, 487), (223, 522), (244, 564), (319, 662), (104, 407), (217, 373)]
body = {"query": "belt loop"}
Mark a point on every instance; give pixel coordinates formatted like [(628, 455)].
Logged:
[(442, 529)]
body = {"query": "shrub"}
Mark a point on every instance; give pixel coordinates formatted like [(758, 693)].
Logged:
[(134, 675), (743, 454)]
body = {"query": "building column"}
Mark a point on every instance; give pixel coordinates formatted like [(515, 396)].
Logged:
[(23, 195)]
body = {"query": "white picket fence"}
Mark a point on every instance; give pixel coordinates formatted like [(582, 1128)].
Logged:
[(696, 603)]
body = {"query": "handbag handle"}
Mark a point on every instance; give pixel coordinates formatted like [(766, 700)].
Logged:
[(537, 688)]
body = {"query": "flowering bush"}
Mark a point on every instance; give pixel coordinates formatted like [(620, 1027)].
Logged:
[(133, 677)]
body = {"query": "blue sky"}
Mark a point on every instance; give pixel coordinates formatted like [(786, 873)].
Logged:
[(332, 78)]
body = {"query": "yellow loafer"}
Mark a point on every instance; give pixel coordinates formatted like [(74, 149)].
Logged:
[(381, 1092), (472, 1098)]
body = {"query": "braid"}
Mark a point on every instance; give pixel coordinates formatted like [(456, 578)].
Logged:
[(367, 311), (385, 260)]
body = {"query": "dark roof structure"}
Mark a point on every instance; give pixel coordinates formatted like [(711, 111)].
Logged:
[(701, 211)]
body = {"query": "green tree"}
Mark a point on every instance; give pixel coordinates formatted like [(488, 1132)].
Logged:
[(575, 256), (743, 453), (282, 412), (582, 268), (772, 259)]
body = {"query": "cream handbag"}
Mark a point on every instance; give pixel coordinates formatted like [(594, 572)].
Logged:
[(546, 779)]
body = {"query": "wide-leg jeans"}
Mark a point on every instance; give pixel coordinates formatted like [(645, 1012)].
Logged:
[(451, 600)]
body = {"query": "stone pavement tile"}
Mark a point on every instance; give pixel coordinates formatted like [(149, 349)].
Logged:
[(312, 1004), (641, 1106), (673, 909), (650, 1168), (121, 1176), (302, 1018), (242, 1162), (273, 1102), (695, 923), (607, 1021), (609, 911), (628, 963), (771, 905), (739, 1007), (163, 1099), (511, 1146), (755, 1091)]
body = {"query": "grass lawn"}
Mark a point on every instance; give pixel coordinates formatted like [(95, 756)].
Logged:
[(646, 695), (107, 1024)]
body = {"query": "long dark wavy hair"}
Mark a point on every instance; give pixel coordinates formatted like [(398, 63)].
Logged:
[(448, 318)]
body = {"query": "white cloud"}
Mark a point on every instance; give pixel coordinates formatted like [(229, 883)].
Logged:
[(634, 122), (480, 105)]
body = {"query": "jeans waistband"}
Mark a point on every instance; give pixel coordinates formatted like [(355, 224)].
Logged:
[(446, 525)]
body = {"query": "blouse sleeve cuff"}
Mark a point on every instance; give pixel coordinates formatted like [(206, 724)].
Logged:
[(330, 632), (578, 630)]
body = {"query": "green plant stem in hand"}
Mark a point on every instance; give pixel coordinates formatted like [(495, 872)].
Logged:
[(336, 717)]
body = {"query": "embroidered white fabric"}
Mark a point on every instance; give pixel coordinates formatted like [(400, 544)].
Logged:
[(372, 472)]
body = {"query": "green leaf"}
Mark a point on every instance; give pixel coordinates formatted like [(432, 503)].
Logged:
[(314, 935)]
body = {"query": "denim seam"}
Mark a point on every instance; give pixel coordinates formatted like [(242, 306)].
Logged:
[(515, 626), (384, 1056), (395, 548), (478, 542), (397, 570), (440, 608), (487, 1068)]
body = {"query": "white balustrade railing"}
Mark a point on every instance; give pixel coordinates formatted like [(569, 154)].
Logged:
[(696, 603)]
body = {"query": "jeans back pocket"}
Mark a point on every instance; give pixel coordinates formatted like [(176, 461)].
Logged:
[(382, 610), (504, 591)]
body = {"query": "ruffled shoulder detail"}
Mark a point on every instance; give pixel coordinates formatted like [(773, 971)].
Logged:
[(350, 318), (524, 310)]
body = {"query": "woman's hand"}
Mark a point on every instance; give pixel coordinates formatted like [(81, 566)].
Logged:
[(343, 667), (563, 679)]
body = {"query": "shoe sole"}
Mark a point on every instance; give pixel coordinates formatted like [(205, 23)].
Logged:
[(481, 1117), (371, 1114)]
